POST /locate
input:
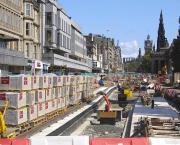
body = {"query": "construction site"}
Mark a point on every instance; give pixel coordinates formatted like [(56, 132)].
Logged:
[(124, 107)]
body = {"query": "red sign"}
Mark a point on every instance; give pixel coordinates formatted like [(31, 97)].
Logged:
[(4, 80), (38, 64), (34, 80), (46, 105), (25, 81), (32, 109), (3, 96), (21, 114)]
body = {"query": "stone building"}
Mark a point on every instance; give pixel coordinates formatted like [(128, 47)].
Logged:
[(65, 45), (105, 55), (159, 59), (32, 36), (148, 45), (11, 37)]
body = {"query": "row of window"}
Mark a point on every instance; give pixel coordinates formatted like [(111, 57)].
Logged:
[(65, 26), (79, 49), (3, 44), (16, 4), (63, 41), (31, 30), (31, 53), (79, 39), (60, 22), (28, 10), (11, 20)]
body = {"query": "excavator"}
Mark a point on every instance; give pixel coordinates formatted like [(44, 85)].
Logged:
[(4, 132)]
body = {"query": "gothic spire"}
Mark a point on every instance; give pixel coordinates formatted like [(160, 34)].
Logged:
[(161, 16), (161, 40)]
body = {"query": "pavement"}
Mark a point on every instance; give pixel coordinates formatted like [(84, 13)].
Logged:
[(161, 110)]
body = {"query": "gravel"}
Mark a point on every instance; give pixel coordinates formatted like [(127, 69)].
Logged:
[(104, 130)]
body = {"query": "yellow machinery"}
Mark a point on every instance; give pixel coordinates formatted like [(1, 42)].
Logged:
[(3, 128), (128, 92), (109, 115)]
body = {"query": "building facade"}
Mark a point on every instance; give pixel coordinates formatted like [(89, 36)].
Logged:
[(148, 45), (64, 42), (94, 52), (159, 59), (11, 37), (32, 37), (162, 41), (105, 55)]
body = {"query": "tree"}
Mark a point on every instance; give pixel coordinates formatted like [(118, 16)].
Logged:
[(146, 63)]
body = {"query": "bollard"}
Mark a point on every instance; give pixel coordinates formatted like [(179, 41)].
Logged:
[(152, 104)]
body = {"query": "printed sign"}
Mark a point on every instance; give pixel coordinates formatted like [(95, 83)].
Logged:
[(21, 114), (32, 109), (3, 96), (4, 80), (25, 80)]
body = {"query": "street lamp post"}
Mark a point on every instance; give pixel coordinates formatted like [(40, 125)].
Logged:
[(107, 51)]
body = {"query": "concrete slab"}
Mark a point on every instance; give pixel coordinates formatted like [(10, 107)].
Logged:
[(164, 141), (161, 110)]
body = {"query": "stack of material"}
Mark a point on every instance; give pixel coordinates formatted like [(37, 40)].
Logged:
[(17, 82), (84, 93), (79, 87), (34, 96), (49, 94), (35, 82), (90, 86), (31, 97), (66, 88), (43, 81), (32, 107), (40, 101), (73, 99), (17, 110), (16, 87), (57, 91)]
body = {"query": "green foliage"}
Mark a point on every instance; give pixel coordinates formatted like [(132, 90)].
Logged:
[(133, 66), (140, 65), (146, 63)]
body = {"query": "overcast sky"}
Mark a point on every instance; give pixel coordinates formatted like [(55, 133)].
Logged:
[(129, 21)]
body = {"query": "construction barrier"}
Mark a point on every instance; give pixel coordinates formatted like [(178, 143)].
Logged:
[(119, 141), (16, 141), (85, 140)]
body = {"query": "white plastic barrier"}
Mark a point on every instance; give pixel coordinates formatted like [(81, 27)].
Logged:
[(60, 140), (164, 141)]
